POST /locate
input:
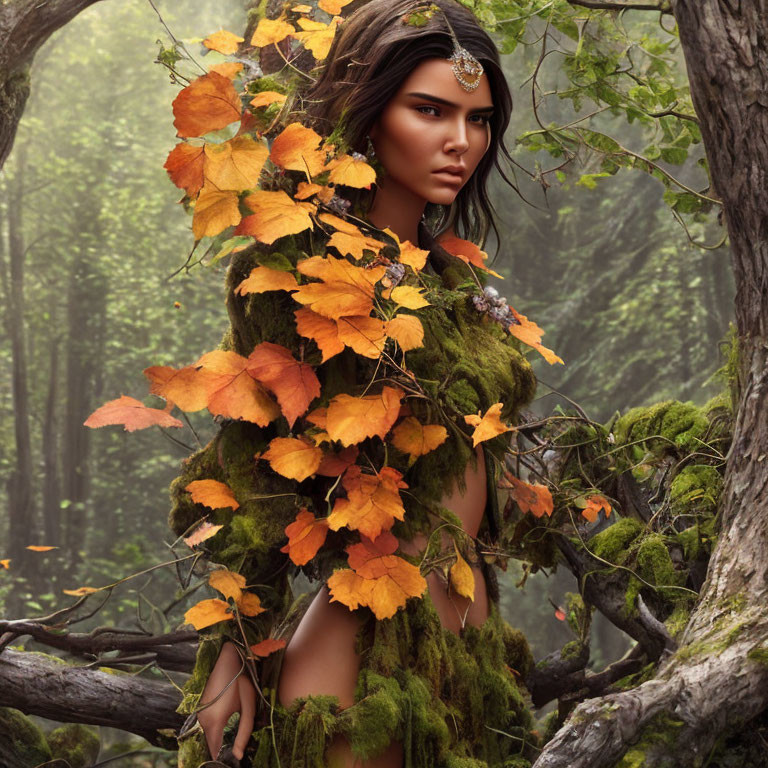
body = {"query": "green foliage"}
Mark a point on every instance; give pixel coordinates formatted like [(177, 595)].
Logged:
[(75, 743)]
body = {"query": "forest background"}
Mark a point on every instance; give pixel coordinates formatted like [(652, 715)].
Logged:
[(633, 307)]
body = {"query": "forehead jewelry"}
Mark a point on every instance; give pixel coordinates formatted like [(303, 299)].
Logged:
[(465, 66)]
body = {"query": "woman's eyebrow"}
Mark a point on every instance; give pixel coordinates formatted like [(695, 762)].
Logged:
[(447, 103)]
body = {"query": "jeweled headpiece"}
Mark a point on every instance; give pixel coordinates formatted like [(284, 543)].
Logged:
[(467, 69)]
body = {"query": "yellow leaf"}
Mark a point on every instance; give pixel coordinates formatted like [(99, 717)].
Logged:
[(7, 564), (271, 31), (305, 190), (462, 578), (408, 296), (265, 98), (352, 419), (275, 215), (364, 334), (295, 149), (264, 279), (316, 36), (206, 613), (250, 605), (223, 42), (292, 457), (350, 172), (215, 210), (407, 331), (229, 583), (489, 426), (212, 494), (81, 591), (323, 330), (414, 438), (235, 164), (39, 548), (207, 104), (414, 257), (332, 7), (228, 69)]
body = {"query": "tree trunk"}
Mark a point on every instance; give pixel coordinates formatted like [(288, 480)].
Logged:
[(718, 680), (24, 26), (51, 488)]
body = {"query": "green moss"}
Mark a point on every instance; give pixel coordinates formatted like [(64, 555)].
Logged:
[(678, 619), (75, 743), (22, 743), (696, 490), (759, 655), (612, 543)]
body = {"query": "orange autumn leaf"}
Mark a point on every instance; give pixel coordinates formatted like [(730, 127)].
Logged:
[(414, 257), (560, 614), (6, 563), (408, 296), (185, 167), (235, 164), (189, 388), (352, 419), (530, 497), (364, 334), (223, 42), (316, 36), (351, 172), (305, 537), (467, 252), (530, 333), (302, 8), (378, 579), (295, 458), (335, 464), (208, 103), (263, 279), (406, 330), (229, 69), (322, 330), (354, 244), (250, 605), (295, 384), (333, 7), (233, 392), (274, 215), (373, 502), (296, 149), (215, 210), (461, 577), (318, 417), (132, 414), (334, 299), (207, 612), (265, 98), (414, 438), (267, 647), (81, 591), (271, 31), (489, 426), (305, 190), (229, 583), (202, 533), (595, 503), (39, 548), (329, 269), (212, 494)]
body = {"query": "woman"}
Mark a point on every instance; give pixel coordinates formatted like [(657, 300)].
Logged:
[(432, 685)]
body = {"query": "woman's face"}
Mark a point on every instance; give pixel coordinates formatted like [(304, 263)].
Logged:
[(430, 124)]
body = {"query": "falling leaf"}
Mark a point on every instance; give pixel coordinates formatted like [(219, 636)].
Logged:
[(215, 210), (295, 384), (296, 149), (208, 103), (414, 438), (560, 614), (305, 537), (263, 279), (352, 419), (530, 333), (274, 215), (271, 31), (316, 36), (373, 503), (408, 296), (467, 252), (223, 42), (267, 647), (265, 98), (235, 164), (593, 506), (461, 576), (406, 330), (132, 414), (202, 533), (533, 498), (229, 583), (364, 334), (39, 548), (322, 330), (7, 564), (489, 426), (81, 591), (212, 494), (235, 393), (295, 458), (185, 167), (351, 172), (207, 612)]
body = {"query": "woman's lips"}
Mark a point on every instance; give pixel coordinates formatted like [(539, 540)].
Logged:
[(454, 178)]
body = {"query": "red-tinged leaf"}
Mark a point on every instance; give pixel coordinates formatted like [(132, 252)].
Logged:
[(202, 533), (39, 548), (305, 537), (268, 646), (132, 414), (208, 103), (212, 493), (560, 614)]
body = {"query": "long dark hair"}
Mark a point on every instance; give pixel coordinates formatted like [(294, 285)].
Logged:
[(372, 54)]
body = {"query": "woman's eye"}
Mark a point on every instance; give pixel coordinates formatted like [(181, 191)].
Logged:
[(483, 119), (427, 107)]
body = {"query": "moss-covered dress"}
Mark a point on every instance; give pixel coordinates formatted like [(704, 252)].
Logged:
[(454, 701)]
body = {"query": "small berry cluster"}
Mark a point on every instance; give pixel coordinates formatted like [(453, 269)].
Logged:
[(495, 306), (394, 274)]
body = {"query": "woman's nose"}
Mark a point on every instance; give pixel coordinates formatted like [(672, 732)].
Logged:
[(457, 139)]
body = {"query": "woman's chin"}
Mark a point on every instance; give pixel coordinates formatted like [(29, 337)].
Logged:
[(443, 196)]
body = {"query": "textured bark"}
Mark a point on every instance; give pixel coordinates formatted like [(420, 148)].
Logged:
[(24, 26), (42, 686), (715, 682)]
